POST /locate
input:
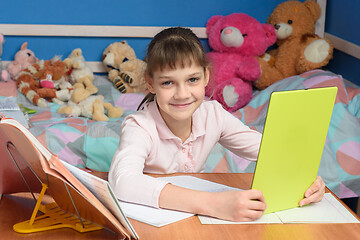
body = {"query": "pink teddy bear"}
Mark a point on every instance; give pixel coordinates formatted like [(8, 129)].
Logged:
[(23, 59), (236, 41)]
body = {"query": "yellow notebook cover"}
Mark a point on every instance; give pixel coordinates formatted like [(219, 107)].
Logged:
[(292, 144)]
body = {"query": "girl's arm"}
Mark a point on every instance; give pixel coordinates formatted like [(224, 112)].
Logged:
[(245, 205), (126, 171), (237, 206)]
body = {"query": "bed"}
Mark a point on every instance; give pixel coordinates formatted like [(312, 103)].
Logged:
[(90, 144)]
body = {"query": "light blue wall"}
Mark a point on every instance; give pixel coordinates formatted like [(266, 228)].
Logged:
[(342, 20)]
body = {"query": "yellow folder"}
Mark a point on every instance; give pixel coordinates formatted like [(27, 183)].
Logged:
[(292, 144)]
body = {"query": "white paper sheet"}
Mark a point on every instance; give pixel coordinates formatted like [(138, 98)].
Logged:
[(329, 210), (267, 218)]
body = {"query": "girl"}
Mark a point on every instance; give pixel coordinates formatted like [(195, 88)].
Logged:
[(176, 131)]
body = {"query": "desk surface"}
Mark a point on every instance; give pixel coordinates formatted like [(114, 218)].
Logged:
[(18, 207)]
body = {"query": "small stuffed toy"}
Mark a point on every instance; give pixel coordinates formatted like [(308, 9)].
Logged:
[(30, 80), (53, 75), (79, 72), (4, 75), (23, 59), (236, 40), (299, 48), (82, 103), (124, 69)]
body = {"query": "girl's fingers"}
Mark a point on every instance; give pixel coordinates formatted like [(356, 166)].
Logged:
[(257, 206), (315, 192), (253, 215), (307, 200), (256, 195), (315, 187)]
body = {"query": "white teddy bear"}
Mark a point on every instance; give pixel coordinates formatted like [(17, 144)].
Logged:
[(93, 107), (79, 72)]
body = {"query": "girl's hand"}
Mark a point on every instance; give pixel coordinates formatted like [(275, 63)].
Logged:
[(314, 193), (239, 206)]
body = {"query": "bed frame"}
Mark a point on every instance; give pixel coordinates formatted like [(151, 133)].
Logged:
[(144, 32)]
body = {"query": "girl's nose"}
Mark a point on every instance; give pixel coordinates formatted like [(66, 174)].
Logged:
[(182, 92)]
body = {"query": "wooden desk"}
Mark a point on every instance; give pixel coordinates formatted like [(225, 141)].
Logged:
[(16, 208)]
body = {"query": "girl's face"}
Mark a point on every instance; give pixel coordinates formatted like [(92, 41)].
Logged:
[(179, 92)]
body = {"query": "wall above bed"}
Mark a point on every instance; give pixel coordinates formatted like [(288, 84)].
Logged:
[(190, 13)]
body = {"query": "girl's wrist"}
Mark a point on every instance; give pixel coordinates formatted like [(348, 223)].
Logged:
[(197, 202), (209, 204)]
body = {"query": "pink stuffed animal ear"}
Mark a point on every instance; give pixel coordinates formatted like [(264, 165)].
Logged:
[(2, 39), (270, 34), (24, 46), (211, 22)]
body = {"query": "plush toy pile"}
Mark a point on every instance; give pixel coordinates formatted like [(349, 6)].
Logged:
[(68, 83), (124, 69), (236, 41), (82, 101), (44, 81), (299, 48)]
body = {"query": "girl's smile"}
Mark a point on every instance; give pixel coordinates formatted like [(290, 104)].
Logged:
[(181, 105)]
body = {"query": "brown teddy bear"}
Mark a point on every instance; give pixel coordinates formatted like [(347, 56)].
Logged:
[(299, 48), (82, 103), (124, 69)]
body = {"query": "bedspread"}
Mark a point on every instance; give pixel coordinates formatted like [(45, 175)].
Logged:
[(86, 143), (77, 140)]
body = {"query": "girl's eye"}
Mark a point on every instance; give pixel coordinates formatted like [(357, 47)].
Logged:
[(167, 83), (193, 80)]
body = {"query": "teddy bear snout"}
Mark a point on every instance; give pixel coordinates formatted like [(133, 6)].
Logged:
[(109, 59), (232, 37), (283, 30)]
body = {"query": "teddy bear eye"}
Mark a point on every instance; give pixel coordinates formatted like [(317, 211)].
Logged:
[(29, 54), (290, 22)]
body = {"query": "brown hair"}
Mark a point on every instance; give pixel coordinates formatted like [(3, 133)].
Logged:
[(172, 47)]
